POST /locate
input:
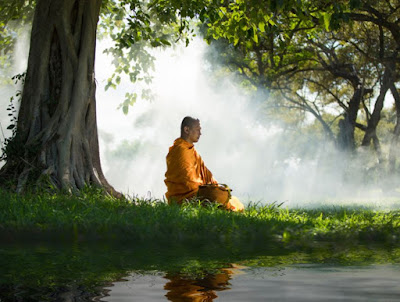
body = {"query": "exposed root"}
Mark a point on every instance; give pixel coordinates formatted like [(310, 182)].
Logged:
[(22, 180)]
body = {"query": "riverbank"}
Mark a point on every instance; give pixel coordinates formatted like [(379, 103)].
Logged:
[(93, 216)]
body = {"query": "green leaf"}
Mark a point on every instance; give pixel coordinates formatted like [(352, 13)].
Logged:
[(107, 86), (155, 43), (261, 26), (203, 14), (255, 36), (270, 21), (327, 20), (110, 84), (165, 42), (249, 45)]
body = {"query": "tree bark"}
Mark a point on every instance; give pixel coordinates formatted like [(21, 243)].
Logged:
[(57, 129), (394, 152), (348, 123), (370, 133), (345, 138)]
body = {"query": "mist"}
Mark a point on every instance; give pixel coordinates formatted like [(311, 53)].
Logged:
[(256, 156), (9, 88), (242, 148)]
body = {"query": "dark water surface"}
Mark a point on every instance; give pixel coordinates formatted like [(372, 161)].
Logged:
[(141, 271), (293, 283)]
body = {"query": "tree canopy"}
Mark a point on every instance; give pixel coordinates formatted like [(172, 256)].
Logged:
[(316, 57)]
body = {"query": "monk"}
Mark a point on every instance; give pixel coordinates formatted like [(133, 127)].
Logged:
[(186, 170)]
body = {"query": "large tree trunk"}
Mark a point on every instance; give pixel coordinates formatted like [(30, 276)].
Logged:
[(57, 129)]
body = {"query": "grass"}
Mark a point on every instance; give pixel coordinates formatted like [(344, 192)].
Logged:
[(93, 216), (112, 238)]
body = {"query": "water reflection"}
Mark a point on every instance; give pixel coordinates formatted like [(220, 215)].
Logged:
[(154, 272), (182, 288), (301, 282)]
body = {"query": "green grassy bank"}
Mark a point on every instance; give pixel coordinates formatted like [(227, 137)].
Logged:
[(93, 216)]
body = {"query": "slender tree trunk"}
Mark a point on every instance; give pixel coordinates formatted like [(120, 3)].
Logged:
[(370, 133), (348, 123), (378, 148), (57, 129), (394, 151)]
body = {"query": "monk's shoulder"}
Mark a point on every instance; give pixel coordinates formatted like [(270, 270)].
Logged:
[(181, 154), (181, 149)]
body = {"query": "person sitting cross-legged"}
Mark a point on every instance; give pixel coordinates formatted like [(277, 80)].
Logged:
[(186, 171)]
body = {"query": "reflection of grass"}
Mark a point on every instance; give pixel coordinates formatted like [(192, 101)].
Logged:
[(93, 216), (43, 271)]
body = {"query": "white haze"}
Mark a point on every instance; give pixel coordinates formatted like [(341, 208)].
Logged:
[(240, 148), (9, 90)]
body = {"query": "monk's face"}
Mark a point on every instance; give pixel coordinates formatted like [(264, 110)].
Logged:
[(193, 133)]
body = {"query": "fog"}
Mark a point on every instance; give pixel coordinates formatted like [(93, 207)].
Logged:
[(242, 146), (9, 88)]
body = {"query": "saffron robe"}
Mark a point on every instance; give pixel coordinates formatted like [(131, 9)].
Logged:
[(186, 171)]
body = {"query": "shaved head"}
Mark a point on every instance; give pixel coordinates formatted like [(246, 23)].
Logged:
[(188, 121), (190, 129)]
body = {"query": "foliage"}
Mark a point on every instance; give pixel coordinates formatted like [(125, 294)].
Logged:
[(333, 59), (136, 27), (14, 15), (268, 47)]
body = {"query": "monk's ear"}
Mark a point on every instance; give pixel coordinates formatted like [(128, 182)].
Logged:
[(186, 129)]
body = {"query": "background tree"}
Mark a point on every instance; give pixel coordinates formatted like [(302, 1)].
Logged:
[(269, 52), (315, 59)]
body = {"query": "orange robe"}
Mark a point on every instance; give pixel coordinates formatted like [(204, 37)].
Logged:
[(185, 172)]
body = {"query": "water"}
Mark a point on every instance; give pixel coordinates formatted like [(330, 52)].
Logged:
[(310, 282), (155, 271)]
